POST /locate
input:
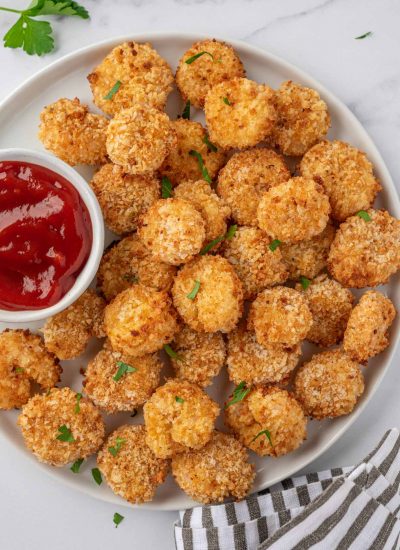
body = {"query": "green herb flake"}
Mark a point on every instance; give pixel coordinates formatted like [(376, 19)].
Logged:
[(305, 283), (166, 188), (267, 434), (191, 60), (117, 519), (96, 475), (213, 148), (76, 466), (123, 368), (362, 36), (202, 166), (113, 90), (77, 408), (65, 434), (228, 236), (118, 445), (186, 110), (239, 393), (193, 293), (274, 245), (226, 101), (131, 278), (19, 370), (364, 215), (169, 351), (179, 399), (231, 232)]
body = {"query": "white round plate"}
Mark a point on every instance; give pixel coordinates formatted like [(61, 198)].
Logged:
[(19, 115)]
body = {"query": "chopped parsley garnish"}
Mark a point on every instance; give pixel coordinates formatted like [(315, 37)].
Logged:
[(65, 434), (186, 110), (19, 370), (239, 393), (267, 434), (179, 399), (113, 90), (76, 466), (213, 148), (193, 293), (123, 368), (96, 474), (118, 444), (305, 283), (117, 519), (369, 33), (166, 188), (364, 215), (202, 166), (190, 60), (274, 245), (131, 278), (169, 351), (226, 101), (77, 408), (228, 236)]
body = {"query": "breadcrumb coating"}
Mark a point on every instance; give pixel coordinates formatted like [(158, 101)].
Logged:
[(131, 390), (366, 253), (215, 472), (140, 320), (24, 358), (346, 175), (179, 166), (252, 363), (200, 356), (194, 80), (218, 304), (135, 472), (43, 416), (179, 416), (139, 139), (303, 119), (129, 262), (144, 76), (76, 136), (280, 315), (367, 332), (294, 211), (246, 177), (124, 198), (257, 266), (330, 305), (173, 230), (67, 333), (239, 113), (308, 258), (273, 409)]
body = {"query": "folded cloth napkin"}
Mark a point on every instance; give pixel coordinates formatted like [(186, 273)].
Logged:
[(357, 507)]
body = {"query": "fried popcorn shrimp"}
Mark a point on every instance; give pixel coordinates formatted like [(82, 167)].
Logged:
[(239, 113), (199, 356), (303, 119), (280, 315), (59, 427), (329, 385), (181, 165), (215, 472), (128, 262), (269, 421), (367, 331), (139, 139), (330, 305), (124, 198), (138, 72), (24, 358), (346, 175), (76, 136), (218, 302), (173, 230), (257, 266), (179, 416), (216, 63), (140, 320), (67, 333), (294, 211), (246, 177), (366, 252)]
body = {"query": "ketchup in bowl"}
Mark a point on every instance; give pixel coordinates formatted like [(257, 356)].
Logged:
[(45, 236)]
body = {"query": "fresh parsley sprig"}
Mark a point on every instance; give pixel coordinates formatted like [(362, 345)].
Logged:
[(362, 36), (118, 445), (123, 368), (239, 393), (186, 110), (193, 293), (267, 434), (228, 236), (274, 245), (117, 519), (202, 166), (305, 283), (166, 188), (172, 353), (213, 148), (192, 59)]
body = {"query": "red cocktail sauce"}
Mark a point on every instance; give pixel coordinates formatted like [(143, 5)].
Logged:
[(45, 236)]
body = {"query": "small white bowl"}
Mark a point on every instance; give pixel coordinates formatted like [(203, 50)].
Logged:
[(89, 271)]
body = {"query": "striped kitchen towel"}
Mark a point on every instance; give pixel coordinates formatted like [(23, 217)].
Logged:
[(356, 507)]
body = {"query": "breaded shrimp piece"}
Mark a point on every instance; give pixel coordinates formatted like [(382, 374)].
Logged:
[(218, 302), (133, 472), (367, 332), (140, 320), (173, 230), (138, 72), (215, 472), (346, 175), (246, 177), (128, 262), (294, 211), (178, 417), (366, 252), (218, 63), (239, 113), (198, 356), (302, 119), (59, 427), (269, 421), (330, 305), (180, 164), (139, 139), (124, 198), (76, 136), (24, 358), (280, 315), (329, 385), (257, 266), (67, 333)]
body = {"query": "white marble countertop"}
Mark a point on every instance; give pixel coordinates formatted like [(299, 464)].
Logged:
[(317, 35)]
